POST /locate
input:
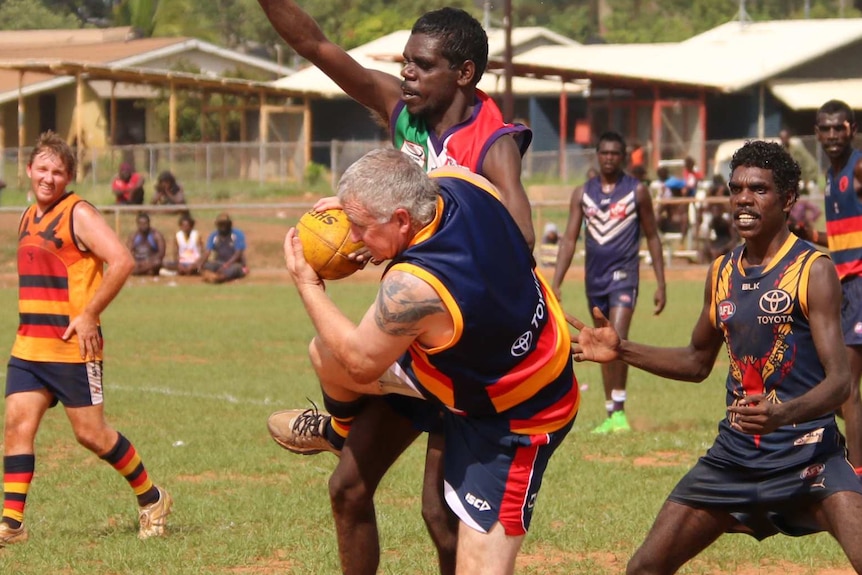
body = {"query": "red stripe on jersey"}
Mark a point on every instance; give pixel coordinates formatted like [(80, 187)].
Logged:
[(43, 294), (551, 418), (45, 331), (40, 266), (844, 226), (847, 269)]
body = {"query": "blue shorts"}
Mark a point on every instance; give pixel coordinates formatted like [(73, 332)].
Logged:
[(424, 415), (72, 384), (767, 502), (492, 475), (623, 297), (851, 310)]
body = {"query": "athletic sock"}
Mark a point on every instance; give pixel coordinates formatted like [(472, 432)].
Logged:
[(618, 398), (609, 407), (342, 414), (125, 459), (17, 477)]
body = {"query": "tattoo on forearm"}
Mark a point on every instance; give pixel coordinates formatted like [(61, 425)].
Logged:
[(397, 313)]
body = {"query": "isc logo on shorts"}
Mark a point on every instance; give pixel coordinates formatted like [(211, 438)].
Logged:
[(474, 501)]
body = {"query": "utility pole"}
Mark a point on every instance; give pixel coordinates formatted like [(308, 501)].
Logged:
[(508, 100)]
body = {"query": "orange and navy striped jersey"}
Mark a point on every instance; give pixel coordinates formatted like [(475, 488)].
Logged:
[(56, 279), (763, 314), (510, 355), (844, 219)]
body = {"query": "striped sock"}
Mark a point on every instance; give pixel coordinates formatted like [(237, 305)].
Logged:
[(17, 476), (342, 413), (125, 459)]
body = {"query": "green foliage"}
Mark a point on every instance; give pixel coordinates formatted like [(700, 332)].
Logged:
[(314, 173), (30, 15)]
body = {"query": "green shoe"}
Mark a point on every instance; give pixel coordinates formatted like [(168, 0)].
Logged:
[(616, 422)]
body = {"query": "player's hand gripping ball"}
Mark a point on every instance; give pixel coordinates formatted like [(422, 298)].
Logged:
[(326, 242)]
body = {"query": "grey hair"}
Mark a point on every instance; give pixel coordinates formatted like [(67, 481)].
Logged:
[(384, 180)]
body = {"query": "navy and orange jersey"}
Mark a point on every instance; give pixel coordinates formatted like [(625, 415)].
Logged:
[(763, 314), (613, 235), (510, 355), (56, 280), (464, 144), (844, 219)]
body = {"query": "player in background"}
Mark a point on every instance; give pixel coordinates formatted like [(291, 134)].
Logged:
[(71, 265), (836, 128), (617, 207)]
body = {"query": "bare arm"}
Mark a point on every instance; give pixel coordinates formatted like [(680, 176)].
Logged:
[(646, 216), (373, 89), (406, 309), (692, 363), (569, 239), (756, 416), (96, 235), (502, 167)]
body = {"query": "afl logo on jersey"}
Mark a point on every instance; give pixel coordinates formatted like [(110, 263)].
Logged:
[(843, 184), (726, 309)]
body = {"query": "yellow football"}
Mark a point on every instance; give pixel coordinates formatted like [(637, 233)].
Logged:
[(326, 242)]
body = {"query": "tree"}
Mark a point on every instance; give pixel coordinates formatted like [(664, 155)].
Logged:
[(32, 15)]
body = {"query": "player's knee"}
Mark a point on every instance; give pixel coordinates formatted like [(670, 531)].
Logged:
[(347, 491)]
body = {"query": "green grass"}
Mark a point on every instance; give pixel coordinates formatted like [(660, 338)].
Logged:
[(193, 371)]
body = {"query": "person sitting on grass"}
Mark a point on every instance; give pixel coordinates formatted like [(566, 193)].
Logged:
[(226, 246)]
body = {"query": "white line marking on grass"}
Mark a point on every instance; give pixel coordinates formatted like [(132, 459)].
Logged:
[(224, 397)]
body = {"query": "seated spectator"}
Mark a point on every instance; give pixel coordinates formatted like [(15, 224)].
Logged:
[(128, 185), (167, 191), (147, 246), (715, 231), (226, 245), (188, 247), (548, 247)]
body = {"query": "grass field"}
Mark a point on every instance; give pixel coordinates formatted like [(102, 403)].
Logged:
[(192, 372)]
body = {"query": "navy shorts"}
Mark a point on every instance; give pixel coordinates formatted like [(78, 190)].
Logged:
[(851, 310), (72, 384), (767, 502), (623, 297), (494, 475)]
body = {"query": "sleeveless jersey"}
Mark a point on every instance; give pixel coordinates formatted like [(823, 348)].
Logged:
[(56, 279), (844, 219), (144, 246), (510, 357), (613, 236), (763, 314), (464, 144), (188, 249)]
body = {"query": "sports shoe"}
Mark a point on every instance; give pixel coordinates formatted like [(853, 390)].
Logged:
[(616, 422), (154, 516), (10, 535), (301, 431)]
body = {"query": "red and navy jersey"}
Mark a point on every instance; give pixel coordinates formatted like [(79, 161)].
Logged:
[(613, 235), (844, 219), (763, 314), (510, 356), (464, 144), (56, 280)]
